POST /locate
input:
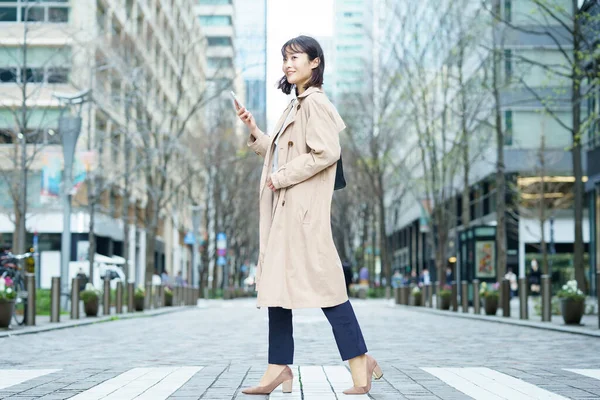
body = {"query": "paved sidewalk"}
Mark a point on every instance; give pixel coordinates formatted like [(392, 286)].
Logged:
[(43, 324), (588, 326)]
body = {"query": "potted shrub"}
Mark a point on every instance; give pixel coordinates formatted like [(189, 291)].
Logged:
[(138, 299), (572, 303), (490, 295), (168, 297), (7, 301), (91, 300), (416, 295), (445, 296)]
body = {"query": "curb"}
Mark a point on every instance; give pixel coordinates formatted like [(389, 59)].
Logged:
[(78, 323), (503, 320)]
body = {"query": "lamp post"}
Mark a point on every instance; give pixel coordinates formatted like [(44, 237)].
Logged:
[(69, 126), (196, 218)]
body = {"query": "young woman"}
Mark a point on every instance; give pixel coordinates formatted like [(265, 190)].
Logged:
[(298, 265)]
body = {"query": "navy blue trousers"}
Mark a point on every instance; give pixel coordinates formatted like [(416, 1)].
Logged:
[(346, 331)]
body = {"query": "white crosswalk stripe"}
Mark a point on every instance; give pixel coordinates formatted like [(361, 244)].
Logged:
[(141, 383), (592, 373), (318, 382), (487, 384), (11, 377)]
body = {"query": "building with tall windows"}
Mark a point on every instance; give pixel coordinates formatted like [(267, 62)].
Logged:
[(534, 116), (352, 46), (140, 61)]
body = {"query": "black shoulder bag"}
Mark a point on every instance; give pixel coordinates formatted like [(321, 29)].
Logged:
[(340, 181)]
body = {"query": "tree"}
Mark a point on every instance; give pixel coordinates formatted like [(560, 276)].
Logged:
[(30, 128), (561, 24)]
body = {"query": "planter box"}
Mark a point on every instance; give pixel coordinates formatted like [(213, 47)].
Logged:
[(138, 303), (572, 310), (6, 312), (490, 305), (416, 299), (91, 307), (168, 300), (445, 302)]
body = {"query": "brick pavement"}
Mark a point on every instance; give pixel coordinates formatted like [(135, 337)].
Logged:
[(213, 351)]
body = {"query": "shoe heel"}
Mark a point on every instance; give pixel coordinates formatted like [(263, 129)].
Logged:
[(377, 372), (286, 386)]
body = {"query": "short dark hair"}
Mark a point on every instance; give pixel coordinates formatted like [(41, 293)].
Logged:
[(308, 45)]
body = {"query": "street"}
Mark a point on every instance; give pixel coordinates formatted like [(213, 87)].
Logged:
[(213, 351)]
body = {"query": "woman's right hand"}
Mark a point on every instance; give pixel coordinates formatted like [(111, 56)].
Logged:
[(248, 119)]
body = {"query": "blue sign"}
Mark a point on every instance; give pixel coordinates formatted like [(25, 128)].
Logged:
[(221, 236), (221, 261), (189, 238)]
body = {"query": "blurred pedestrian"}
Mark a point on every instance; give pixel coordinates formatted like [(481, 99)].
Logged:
[(425, 278), (535, 278), (449, 275), (299, 266), (512, 279)]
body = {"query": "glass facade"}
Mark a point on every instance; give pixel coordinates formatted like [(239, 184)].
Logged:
[(55, 11)]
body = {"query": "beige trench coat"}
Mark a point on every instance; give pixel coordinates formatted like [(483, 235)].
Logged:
[(298, 265)]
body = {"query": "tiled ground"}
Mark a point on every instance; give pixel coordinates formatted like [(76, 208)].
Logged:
[(214, 351)]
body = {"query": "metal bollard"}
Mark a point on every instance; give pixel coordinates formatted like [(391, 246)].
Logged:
[(505, 298), (464, 296), (156, 296), (523, 306), (476, 300), (55, 300), (546, 299), (75, 298), (148, 296), (438, 301), (130, 294), (406, 295), (161, 295), (106, 296), (30, 310), (119, 299), (429, 294), (388, 293), (397, 295), (598, 295), (454, 297)]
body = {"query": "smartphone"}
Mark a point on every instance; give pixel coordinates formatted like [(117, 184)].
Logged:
[(236, 103)]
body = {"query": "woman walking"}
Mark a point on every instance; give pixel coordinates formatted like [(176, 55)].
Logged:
[(298, 264)]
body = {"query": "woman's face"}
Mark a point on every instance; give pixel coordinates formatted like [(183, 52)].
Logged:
[(297, 67)]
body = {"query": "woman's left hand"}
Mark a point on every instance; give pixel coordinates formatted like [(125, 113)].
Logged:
[(270, 185)]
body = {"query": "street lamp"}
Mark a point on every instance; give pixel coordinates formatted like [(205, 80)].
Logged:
[(69, 126)]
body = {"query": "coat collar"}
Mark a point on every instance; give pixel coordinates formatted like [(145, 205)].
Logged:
[(309, 91)]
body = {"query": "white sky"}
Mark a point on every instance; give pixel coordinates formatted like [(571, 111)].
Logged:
[(287, 19)]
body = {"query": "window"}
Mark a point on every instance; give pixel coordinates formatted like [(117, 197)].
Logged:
[(58, 75), (56, 11), (507, 66), (8, 14), (32, 75), (219, 41), (508, 128), (507, 10), (8, 75), (58, 15), (33, 14), (215, 20)]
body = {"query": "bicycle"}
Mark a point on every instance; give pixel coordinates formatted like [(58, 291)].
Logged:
[(10, 265)]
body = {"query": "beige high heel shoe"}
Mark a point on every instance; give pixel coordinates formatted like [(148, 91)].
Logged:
[(285, 379), (373, 371)]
